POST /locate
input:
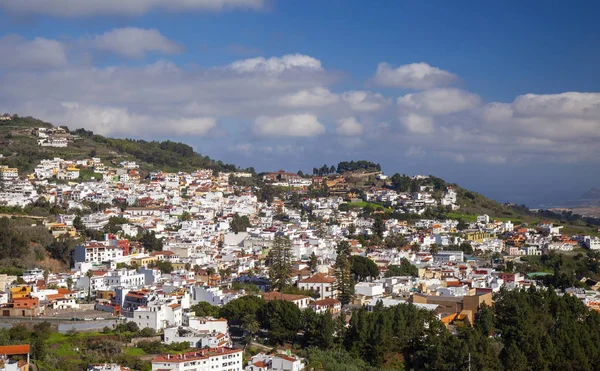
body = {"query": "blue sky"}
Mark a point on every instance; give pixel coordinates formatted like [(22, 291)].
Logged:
[(501, 97)]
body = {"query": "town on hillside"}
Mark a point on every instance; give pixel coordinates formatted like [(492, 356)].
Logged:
[(210, 270)]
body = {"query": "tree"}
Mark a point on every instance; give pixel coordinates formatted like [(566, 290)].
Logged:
[(351, 229), (250, 324), (69, 283), (332, 170), (466, 247), (379, 227), (239, 223), (185, 216), (280, 263), (89, 274), (312, 261), (343, 273), (78, 223), (282, 319), (150, 242), (404, 269), (62, 248), (237, 309), (434, 248), (363, 268)]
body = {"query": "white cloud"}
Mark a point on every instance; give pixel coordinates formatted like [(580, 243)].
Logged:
[(418, 76), (349, 126), (276, 65), (86, 8), (498, 160), (440, 101), (571, 104), (18, 52), (417, 124), (364, 101), (119, 121), (415, 151), (566, 116), (456, 157), (132, 42), (316, 97), (302, 125)]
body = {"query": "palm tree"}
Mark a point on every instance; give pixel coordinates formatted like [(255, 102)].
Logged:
[(434, 249), (250, 324), (69, 283), (415, 247), (89, 274)]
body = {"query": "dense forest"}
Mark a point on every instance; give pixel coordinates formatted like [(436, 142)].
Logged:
[(532, 329)]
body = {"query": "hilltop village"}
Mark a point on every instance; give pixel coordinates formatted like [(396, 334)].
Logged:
[(175, 255)]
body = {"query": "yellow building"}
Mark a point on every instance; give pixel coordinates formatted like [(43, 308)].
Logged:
[(143, 261), (19, 292), (477, 236)]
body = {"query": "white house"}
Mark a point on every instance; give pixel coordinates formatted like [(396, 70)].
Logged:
[(320, 283)]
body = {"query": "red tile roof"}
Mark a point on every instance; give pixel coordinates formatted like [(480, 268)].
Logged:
[(14, 349), (318, 278)]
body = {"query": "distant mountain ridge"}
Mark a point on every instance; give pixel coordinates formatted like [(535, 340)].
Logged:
[(590, 198)]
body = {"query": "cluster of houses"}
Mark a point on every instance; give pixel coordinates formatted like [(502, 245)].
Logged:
[(192, 214), (53, 137)]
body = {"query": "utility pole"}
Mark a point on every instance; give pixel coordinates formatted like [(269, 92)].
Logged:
[(469, 361)]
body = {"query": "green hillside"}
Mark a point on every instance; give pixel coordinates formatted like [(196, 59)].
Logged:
[(19, 149)]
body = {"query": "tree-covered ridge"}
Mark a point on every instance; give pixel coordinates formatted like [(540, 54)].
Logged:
[(368, 166), (167, 155)]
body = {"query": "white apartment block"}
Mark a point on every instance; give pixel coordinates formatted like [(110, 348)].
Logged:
[(96, 253), (223, 359), (128, 278)]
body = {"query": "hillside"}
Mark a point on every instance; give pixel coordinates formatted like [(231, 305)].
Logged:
[(20, 149)]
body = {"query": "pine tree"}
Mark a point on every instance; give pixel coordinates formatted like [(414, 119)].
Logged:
[(280, 263), (343, 273)]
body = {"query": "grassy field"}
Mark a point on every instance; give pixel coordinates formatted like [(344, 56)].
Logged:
[(135, 352), (362, 204)]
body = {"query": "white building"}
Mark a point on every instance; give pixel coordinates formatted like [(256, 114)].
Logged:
[(320, 283), (279, 362), (128, 278), (158, 316), (96, 253), (223, 359), (107, 367), (592, 243), (369, 289)]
